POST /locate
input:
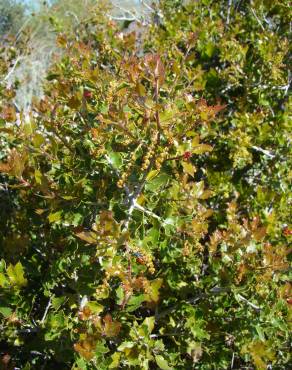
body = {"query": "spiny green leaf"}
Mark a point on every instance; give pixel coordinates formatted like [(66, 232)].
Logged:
[(162, 363), (16, 275)]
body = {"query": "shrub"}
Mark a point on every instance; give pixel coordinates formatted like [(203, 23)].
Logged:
[(148, 221)]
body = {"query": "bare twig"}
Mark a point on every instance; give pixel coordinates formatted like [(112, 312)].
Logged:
[(232, 361), (147, 6), (286, 88), (128, 15), (256, 17), (243, 299), (46, 311), (228, 11), (264, 151), (122, 19), (13, 68), (149, 213)]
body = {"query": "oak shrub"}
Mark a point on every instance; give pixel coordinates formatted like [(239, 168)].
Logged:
[(145, 197)]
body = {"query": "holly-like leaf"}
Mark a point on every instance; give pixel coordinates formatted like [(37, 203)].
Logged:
[(152, 295), (116, 357), (135, 302), (202, 148), (6, 311), (111, 328), (189, 168), (86, 347), (3, 280), (55, 217), (162, 363), (149, 323), (16, 275), (87, 236)]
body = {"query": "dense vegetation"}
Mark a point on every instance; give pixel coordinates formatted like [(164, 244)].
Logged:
[(144, 219), (12, 17)]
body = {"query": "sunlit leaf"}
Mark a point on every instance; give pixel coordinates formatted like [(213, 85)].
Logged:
[(87, 236), (162, 363), (16, 275), (55, 217)]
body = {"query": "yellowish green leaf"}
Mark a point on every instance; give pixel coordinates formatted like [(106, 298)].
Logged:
[(16, 275), (162, 363), (55, 217)]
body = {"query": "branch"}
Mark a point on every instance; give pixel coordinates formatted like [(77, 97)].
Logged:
[(266, 152), (228, 11), (232, 361), (133, 17), (46, 311), (147, 6), (257, 308), (256, 17), (126, 19), (149, 213), (286, 88), (13, 68)]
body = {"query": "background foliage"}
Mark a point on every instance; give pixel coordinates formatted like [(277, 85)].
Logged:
[(145, 198), (12, 16)]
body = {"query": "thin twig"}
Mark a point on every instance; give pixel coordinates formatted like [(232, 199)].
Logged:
[(13, 68), (149, 213), (232, 361), (256, 17), (46, 311), (264, 151), (147, 6), (228, 11), (122, 19), (288, 84), (243, 299)]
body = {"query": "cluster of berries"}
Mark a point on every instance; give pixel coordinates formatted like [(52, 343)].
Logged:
[(147, 157), (126, 174), (161, 158), (145, 259)]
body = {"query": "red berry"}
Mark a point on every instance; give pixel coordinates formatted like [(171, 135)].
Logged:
[(289, 300), (87, 94), (287, 231), (187, 155)]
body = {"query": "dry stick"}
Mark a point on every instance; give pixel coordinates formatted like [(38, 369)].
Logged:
[(243, 299), (129, 16), (232, 360), (46, 311), (256, 17), (147, 6), (286, 87), (228, 11), (264, 151), (13, 68)]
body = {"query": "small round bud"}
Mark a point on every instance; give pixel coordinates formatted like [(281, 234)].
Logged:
[(187, 155)]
